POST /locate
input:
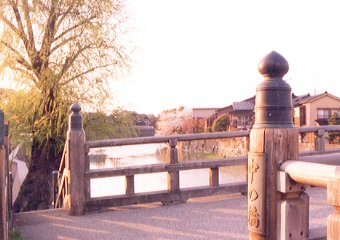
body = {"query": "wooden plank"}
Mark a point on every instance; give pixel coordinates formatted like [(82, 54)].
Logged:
[(291, 224), (159, 196), (256, 144), (333, 226), (156, 168), (333, 196)]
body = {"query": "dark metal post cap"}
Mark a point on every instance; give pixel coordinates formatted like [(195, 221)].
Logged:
[(75, 107), (75, 120), (273, 104), (273, 65)]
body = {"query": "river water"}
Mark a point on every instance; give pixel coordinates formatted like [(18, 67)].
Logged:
[(134, 155)]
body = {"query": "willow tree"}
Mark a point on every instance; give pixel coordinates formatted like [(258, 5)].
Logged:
[(63, 51)]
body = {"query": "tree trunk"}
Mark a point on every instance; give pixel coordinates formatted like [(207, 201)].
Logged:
[(36, 191)]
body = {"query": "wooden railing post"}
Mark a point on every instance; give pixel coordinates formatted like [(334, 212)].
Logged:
[(320, 140), (333, 220), (130, 184), (3, 182), (76, 138), (173, 176), (273, 140)]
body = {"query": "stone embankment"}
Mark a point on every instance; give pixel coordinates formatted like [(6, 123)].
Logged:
[(220, 147)]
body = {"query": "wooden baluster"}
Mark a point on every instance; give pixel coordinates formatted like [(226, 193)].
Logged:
[(173, 176), (320, 140), (130, 184), (214, 177)]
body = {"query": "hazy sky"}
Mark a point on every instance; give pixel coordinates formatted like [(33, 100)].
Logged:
[(205, 53)]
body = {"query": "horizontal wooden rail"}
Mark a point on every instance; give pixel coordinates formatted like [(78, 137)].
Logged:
[(314, 174), (156, 168), (165, 139), (328, 128), (314, 152), (164, 196)]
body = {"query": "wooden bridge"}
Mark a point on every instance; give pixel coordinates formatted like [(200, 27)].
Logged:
[(278, 205)]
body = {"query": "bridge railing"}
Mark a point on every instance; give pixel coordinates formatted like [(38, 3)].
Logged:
[(319, 139), (174, 193), (80, 174), (75, 173), (277, 205)]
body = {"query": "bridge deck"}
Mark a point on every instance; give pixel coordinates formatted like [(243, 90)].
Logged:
[(218, 217)]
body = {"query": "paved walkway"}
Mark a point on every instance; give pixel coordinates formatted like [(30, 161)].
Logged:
[(218, 217)]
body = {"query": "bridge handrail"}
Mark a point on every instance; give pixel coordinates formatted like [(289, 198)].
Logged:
[(81, 173), (328, 128), (200, 136), (314, 174), (165, 139)]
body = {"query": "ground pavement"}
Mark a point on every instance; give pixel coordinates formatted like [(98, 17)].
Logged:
[(218, 217)]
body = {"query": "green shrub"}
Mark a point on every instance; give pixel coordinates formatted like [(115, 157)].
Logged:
[(221, 123)]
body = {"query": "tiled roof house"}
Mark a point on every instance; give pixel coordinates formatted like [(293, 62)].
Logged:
[(315, 110)]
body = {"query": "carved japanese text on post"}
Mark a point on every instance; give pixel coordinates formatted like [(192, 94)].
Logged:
[(256, 192)]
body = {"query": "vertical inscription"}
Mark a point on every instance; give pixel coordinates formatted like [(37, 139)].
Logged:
[(256, 193)]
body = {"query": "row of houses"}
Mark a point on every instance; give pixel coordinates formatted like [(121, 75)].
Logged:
[(309, 110)]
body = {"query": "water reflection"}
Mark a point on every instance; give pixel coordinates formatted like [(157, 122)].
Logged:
[(135, 155)]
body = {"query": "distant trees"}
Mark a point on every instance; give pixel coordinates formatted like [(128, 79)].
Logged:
[(334, 137), (60, 52), (199, 125), (144, 119), (221, 123), (118, 124), (175, 121)]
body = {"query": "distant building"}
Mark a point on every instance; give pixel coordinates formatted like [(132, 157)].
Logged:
[(308, 111), (315, 110), (203, 113), (241, 114)]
